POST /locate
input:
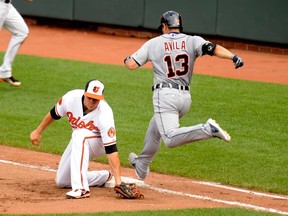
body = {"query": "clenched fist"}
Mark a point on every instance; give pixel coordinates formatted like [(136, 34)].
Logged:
[(35, 138)]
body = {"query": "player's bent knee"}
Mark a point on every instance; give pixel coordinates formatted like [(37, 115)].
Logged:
[(168, 142), (21, 35), (61, 184)]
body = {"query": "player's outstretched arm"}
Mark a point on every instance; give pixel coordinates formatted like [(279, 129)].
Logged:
[(114, 162), (222, 52), (35, 135)]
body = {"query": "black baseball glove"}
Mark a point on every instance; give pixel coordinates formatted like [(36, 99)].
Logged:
[(128, 191)]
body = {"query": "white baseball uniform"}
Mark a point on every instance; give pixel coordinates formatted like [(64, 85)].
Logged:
[(91, 133), (15, 24)]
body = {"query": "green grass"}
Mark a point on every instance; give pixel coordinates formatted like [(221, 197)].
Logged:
[(183, 212), (254, 113)]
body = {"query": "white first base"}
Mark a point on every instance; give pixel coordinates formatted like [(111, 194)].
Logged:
[(111, 182)]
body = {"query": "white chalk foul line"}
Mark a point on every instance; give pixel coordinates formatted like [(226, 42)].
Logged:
[(232, 203), (249, 206), (213, 184), (29, 166)]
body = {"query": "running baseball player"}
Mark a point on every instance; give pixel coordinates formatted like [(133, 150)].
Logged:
[(11, 20), (173, 55), (93, 135)]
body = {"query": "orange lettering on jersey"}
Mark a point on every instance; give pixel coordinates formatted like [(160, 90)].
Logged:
[(76, 123), (81, 124), (74, 120), (91, 126), (174, 45)]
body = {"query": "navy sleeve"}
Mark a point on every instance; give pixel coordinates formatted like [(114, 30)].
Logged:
[(53, 114)]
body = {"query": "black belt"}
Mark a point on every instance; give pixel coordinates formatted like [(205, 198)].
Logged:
[(170, 85), (7, 1)]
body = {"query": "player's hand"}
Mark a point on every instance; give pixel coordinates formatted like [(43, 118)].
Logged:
[(35, 138), (238, 62)]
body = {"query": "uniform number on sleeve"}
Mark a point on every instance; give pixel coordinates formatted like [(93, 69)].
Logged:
[(183, 59)]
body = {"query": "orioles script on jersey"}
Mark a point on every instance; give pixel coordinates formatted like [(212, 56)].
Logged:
[(76, 123), (174, 45)]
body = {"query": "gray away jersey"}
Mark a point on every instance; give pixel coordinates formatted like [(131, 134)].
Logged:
[(172, 55)]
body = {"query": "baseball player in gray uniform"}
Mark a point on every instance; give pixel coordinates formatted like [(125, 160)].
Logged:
[(173, 55), (15, 24)]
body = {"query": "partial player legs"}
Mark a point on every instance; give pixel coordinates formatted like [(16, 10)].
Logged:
[(152, 143), (73, 167), (82, 140), (169, 106), (15, 24), (183, 135), (98, 178), (4, 10), (63, 176)]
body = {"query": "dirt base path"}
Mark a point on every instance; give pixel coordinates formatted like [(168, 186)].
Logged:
[(27, 177), (27, 185)]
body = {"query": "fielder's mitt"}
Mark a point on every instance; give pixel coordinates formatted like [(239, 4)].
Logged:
[(128, 191)]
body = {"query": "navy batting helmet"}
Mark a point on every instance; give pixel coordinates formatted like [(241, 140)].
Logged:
[(172, 19)]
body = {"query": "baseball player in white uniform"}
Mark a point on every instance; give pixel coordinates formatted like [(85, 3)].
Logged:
[(173, 55), (93, 135), (15, 24)]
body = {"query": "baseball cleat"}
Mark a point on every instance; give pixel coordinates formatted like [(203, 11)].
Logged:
[(132, 159), (11, 81), (78, 194), (217, 131)]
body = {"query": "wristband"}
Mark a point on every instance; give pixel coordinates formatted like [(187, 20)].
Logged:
[(127, 58)]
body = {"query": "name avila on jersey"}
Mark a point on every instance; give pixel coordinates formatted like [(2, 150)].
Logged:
[(76, 123), (174, 45)]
